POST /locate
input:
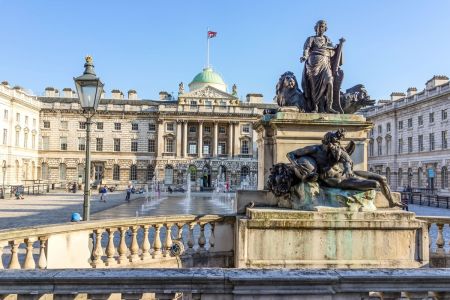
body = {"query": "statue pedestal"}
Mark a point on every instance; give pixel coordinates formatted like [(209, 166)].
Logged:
[(286, 131), (331, 238)]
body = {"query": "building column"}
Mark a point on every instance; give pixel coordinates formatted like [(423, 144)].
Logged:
[(237, 144), (230, 140), (160, 143), (200, 139), (215, 138), (185, 134), (179, 139)]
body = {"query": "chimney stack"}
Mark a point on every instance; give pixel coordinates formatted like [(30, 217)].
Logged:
[(254, 98), (411, 91), (132, 95), (67, 92), (117, 94), (397, 95), (49, 91), (163, 95), (435, 81)]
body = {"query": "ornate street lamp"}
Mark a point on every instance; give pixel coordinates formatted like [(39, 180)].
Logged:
[(3, 183), (89, 89)]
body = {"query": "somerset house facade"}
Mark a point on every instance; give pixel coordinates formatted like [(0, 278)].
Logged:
[(204, 131), (409, 141)]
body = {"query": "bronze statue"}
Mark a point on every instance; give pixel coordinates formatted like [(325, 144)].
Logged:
[(331, 165), (355, 98), (181, 88), (321, 74), (288, 93)]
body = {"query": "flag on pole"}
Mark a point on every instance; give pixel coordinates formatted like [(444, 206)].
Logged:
[(211, 34)]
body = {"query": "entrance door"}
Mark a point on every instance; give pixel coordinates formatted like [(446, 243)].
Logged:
[(207, 176)]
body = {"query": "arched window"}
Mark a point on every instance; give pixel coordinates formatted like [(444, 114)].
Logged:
[(245, 173), (193, 171), (388, 175), (133, 172), (168, 175), (150, 172), (410, 177), (444, 178), (400, 178), (419, 177), (379, 146), (44, 171), (116, 172), (371, 147), (62, 171)]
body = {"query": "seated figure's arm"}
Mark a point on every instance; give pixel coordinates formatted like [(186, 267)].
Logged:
[(301, 152)]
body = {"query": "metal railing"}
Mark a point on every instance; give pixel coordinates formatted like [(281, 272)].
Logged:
[(431, 200)]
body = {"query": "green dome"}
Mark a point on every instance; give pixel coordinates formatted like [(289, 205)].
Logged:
[(208, 76)]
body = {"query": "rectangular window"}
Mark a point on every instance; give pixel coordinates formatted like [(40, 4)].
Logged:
[(380, 129), (420, 142), (246, 128), (117, 145), (99, 125), (117, 126), (151, 127), (46, 124), (193, 104), (116, 172), (431, 117), (82, 125), (388, 127), (371, 132), (169, 145), (26, 120), (25, 140), (169, 126), (222, 129), (18, 117), (444, 139), (45, 143), (192, 148), (206, 148), (420, 120), (151, 146), (192, 129), (380, 147), (34, 123), (99, 144), (444, 114), (221, 149), (81, 144), (63, 143), (33, 141), (410, 144), (134, 126), (5, 136), (431, 141), (5, 114), (207, 129), (64, 125), (244, 147), (134, 145), (208, 104), (410, 123), (400, 146), (17, 138), (400, 125)]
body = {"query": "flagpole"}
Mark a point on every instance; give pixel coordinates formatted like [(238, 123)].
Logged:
[(207, 51)]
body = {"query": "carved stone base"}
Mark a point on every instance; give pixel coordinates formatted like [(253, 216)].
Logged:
[(307, 196)]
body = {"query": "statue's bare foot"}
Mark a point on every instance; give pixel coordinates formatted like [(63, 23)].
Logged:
[(332, 111), (397, 204)]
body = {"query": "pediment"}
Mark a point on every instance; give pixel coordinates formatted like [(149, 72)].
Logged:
[(208, 92)]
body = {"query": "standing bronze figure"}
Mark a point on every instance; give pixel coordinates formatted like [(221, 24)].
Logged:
[(322, 76)]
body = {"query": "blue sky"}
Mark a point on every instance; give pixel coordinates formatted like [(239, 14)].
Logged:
[(151, 46)]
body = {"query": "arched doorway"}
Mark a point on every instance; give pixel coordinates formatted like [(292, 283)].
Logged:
[(206, 176)]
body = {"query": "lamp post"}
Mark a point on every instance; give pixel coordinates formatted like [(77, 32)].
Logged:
[(3, 180), (89, 89)]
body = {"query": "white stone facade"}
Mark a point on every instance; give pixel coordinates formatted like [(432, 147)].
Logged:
[(19, 129), (409, 142)]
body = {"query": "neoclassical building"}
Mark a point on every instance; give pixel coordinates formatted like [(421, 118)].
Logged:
[(409, 142), (205, 131), (19, 125)]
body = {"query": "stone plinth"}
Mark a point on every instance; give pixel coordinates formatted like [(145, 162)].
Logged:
[(331, 238), (286, 131)]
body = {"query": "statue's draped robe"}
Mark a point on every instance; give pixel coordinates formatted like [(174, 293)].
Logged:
[(317, 75)]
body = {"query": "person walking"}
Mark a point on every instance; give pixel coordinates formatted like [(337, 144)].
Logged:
[(127, 198), (103, 191)]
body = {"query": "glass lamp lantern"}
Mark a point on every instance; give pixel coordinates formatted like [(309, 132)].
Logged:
[(89, 87)]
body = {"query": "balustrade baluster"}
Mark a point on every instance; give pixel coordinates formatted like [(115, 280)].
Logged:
[(134, 247), (168, 241), (29, 260), (201, 238), (180, 232), (190, 241), (145, 243), (42, 262), (212, 237), (440, 239), (122, 245), (14, 262), (98, 250), (157, 242), (110, 249)]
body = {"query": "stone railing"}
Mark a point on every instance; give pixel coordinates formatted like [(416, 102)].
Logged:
[(226, 284), (439, 232), (136, 242)]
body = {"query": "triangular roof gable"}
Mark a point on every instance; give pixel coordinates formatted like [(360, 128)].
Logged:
[(208, 92)]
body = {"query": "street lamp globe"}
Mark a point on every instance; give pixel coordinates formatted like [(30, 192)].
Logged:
[(89, 87)]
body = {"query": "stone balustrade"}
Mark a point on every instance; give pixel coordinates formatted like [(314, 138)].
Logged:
[(238, 284), (439, 231), (137, 242)]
